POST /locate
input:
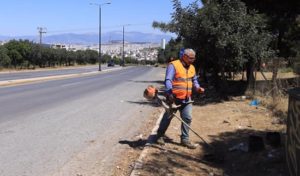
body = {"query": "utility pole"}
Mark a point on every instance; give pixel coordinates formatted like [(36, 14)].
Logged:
[(41, 31)]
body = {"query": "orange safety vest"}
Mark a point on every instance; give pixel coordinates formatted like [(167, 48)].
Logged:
[(182, 83)]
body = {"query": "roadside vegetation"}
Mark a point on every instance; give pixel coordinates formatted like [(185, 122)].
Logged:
[(236, 41), (248, 58), (24, 54)]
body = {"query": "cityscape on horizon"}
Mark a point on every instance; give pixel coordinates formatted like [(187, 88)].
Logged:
[(139, 46)]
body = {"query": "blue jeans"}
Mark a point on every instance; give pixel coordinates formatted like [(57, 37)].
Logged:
[(185, 114)]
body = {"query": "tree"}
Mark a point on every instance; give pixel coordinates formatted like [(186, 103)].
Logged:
[(24, 48), (16, 57), (80, 57), (172, 49), (223, 33), (92, 56), (282, 21), (161, 57), (106, 58), (4, 58), (70, 58)]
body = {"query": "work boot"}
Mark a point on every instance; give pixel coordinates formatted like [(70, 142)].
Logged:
[(188, 144), (160, 140)]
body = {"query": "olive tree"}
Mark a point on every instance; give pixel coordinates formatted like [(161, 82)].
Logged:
[(226, 36)]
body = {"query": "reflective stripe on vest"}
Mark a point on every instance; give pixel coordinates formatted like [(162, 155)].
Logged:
[(182, 83)]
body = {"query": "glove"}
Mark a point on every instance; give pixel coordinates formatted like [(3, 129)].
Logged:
[(170, 98), (200, 90)]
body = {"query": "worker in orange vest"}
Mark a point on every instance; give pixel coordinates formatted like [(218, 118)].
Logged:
[(179, 81)]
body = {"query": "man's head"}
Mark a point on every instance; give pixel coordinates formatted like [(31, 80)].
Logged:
[(188, 56)]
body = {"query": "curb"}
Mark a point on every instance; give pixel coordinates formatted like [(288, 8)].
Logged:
[(139, 163)]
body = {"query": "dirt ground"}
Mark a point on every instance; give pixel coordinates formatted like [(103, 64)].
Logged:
[(227, 126)]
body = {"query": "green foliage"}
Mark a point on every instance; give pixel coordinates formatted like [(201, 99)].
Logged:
[(15, 56), (4, 58), (172, 50), (92, 56), (147, 62), (128, 60), (70, 58), (283, 21), (296, 68), (225, 35), (81, 57), (161, 56), (24, 53), (106, 58)]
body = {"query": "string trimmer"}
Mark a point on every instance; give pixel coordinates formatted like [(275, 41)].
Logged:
[(151, 94)]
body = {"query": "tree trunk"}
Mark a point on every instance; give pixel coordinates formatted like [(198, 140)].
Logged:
[(276, 65), (249, 74), (223, 85), (274, 78)]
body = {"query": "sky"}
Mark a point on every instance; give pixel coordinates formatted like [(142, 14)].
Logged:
[(23, 17)]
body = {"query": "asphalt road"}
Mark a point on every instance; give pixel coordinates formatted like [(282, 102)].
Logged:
[(4, 76), (72, 126)]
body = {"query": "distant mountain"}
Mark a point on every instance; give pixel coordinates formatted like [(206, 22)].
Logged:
[(4, 38), (92, 38)]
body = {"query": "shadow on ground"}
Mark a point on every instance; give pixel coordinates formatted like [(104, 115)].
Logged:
[(137, 144), (231, 153), (230, 156), (168, 161), (150, 103), (140, 143), (249, 152)]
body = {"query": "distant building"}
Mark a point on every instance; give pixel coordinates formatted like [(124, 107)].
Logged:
[(137, 50), (58, 46)]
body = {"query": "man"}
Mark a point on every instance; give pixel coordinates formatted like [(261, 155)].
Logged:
[(180, 80)]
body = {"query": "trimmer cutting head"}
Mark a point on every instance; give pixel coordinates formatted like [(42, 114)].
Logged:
[(150, 92)]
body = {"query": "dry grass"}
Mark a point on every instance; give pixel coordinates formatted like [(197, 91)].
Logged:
[(268, 75), (223, 125), (278, 106)]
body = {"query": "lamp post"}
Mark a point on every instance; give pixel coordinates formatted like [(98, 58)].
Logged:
[(123, 57), (99, 6)]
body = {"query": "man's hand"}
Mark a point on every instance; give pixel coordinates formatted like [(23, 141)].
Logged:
[(200, 90), (170, 98)]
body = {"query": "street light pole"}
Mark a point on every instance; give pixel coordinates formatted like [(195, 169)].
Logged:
[(100, 55), (123, 49)]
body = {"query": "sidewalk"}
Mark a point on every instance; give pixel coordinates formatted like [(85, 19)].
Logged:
[(223, 125)]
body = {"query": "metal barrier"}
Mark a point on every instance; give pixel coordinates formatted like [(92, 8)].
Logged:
[(293, 133)]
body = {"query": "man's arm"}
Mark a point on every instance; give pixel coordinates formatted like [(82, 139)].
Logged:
[(170, 73), (196, 85)]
